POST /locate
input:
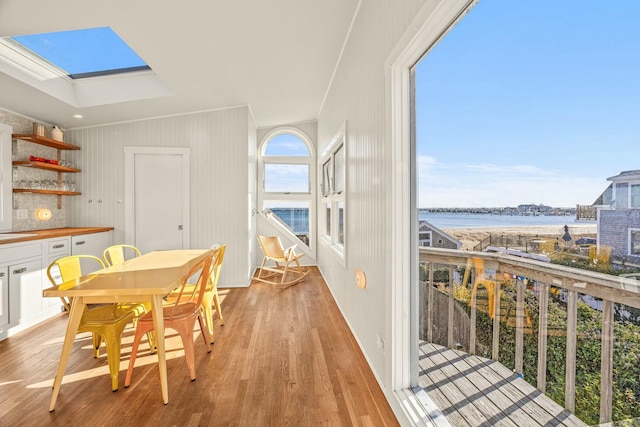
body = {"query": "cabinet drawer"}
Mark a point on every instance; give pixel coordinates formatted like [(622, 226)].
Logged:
[(59, 246), (11, 252)]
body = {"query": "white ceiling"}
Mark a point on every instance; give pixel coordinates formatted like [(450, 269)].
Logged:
[(277, 56)]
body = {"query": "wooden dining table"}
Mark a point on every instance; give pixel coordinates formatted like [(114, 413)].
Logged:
[(142, 279)]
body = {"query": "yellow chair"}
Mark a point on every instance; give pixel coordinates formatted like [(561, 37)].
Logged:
[(181, 316), (115, 255), (105, 322), (210, 297), (283, 259)]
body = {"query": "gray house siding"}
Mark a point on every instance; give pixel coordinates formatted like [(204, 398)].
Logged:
[(613, 231)]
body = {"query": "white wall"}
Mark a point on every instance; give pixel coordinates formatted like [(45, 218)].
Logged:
[(358, 94), (222, 144)]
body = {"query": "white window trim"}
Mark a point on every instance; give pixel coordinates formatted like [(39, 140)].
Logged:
[(338, 141), (428, 27), (632, 184), (630, 243), (264, 196)]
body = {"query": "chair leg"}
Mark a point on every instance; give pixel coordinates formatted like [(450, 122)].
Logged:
[(97, 341), (208, 340), (134, 353), (216, 301), (208, 315), (186, 334), (113, 356)]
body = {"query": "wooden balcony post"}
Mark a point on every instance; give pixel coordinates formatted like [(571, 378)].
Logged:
[(520, 287), (570, 357), (472, 320), (542, 336), (430, 305), (606, 384), (495, 346), (450, 342)]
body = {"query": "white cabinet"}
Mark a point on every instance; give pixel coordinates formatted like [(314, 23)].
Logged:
[(25, 291), (23, 276), (52, 249), (91, 244), (4, 297), (21, 285)]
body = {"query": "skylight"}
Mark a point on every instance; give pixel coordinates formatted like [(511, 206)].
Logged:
[(84, 53)]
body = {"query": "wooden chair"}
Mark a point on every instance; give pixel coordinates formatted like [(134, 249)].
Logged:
[(211, 297), (105, 322), (181, 316), (115, 255), (283, 259)]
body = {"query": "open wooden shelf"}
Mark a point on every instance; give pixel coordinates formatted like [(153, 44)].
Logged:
[(43, 140), (45, 166), (58, 192)]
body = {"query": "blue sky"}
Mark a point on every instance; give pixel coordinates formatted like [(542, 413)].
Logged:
[(530, 102)]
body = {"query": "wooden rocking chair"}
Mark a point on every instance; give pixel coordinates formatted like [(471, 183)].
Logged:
[(284, 260)]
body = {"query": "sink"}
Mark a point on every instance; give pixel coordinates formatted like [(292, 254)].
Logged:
[(15, 236)]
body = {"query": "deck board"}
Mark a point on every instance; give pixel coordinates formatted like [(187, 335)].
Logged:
[(471, 390)]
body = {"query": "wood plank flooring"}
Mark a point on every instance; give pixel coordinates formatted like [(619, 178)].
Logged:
[(283, 358), (473, 391)]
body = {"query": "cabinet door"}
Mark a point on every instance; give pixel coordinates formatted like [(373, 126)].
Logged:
[(4, 296), (25, 281), (91, 244)]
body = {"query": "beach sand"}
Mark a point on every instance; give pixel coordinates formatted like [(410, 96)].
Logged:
[(472, 236)]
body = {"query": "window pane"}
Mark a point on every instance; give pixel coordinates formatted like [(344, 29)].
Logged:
[(326, 178), (295, 215), (622, 195), (635, 242), (341, 223), (327, 219), (286, 145), (339, 170), (279, 178), (635, 196), (84, 53)]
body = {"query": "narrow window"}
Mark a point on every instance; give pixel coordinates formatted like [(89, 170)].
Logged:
[(333, 192)]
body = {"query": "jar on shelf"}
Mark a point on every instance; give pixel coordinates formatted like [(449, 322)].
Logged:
[(57, 134)]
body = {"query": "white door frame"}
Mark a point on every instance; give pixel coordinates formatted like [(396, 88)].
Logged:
[(427, 28), (129, 193)]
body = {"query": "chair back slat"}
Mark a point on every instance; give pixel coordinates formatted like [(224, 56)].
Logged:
[(63, 271), (115, 255), (205, 269)]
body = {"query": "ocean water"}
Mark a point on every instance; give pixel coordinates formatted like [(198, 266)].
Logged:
[(463, 220), (298, 219)]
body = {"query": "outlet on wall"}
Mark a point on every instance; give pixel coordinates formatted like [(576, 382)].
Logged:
[(22, 214)]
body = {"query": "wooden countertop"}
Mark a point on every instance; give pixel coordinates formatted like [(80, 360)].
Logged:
[(52, 232)]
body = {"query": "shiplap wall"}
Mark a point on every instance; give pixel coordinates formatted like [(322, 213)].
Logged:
[(358, 94), (222, 144)]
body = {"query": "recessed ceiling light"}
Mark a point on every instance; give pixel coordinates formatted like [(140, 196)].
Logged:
[(77, 116)]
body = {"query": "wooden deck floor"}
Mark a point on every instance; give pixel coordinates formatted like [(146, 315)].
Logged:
[(283, 358), (473, 391)]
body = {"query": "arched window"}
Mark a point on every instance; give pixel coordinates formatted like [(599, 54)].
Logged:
[(287, 175)]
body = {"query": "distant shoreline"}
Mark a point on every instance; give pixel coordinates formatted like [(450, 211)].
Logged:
[(472, 236)]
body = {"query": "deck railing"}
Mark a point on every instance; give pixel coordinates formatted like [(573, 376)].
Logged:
[(489, 270)]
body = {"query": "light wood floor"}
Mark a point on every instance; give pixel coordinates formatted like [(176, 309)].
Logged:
[(283, 358), (473, 391)]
